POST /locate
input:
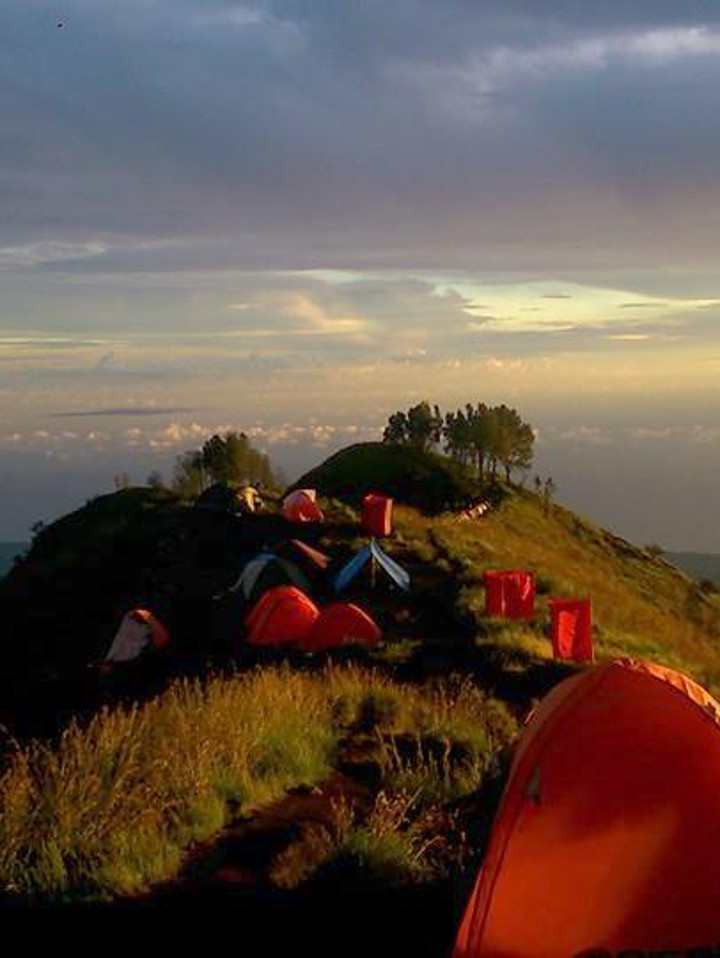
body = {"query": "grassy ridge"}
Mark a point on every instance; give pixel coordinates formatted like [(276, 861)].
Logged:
[(642, 605), (111, 807)]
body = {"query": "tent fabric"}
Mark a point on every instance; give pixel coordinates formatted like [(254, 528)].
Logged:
[(139, 630), (352, 569), (509, 594), (372, 552), (266, 571), (248, 499), (250, 572), (283, 616), (571, 629), (301, 506), (391, 568), (607, 838), (377, 514), (314, 556), (340, 624)]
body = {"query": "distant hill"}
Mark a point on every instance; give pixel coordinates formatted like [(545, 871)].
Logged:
[(430, 482), (8, 551), (700, 565)]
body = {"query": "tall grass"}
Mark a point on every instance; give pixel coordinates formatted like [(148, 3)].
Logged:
[(111, 807)]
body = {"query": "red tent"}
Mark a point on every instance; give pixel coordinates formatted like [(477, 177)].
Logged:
[(300, 506), (509, 594), (571, 629), (377, 515), (341, 623), (282, 616), (607, 838)]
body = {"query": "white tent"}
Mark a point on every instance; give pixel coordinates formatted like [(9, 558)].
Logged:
[(138, 630)]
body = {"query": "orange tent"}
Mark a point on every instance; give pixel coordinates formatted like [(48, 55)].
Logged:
[(301, 506), (283, 616), (341, 623), (607, 839)]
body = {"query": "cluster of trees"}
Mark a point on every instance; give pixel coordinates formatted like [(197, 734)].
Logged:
[(230, 457), (484, 438)]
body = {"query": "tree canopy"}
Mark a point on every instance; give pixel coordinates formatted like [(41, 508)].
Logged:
[(229, 457), (419, 427), (481, 437)]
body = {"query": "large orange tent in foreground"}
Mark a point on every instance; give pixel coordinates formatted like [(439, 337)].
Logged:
[(607, 839)]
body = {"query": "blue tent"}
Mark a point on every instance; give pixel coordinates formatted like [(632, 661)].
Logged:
[(372, 553)]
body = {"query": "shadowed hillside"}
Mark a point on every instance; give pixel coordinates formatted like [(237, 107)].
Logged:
[(422, 479), (9, 551), (136, 547)]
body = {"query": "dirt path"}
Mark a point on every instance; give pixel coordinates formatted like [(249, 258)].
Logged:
[(242, 878)]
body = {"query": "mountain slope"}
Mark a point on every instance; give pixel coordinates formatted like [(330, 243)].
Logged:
[(410, 476), (8, 552), (642, 605)]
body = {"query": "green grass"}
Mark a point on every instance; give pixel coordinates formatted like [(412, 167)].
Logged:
[(111, 808), (641, 604), (393, 846)]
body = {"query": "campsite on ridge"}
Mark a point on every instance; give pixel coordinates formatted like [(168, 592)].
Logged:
[(359, 447), (293, 705)]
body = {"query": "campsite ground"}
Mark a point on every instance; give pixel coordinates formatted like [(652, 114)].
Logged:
[(358, 785)]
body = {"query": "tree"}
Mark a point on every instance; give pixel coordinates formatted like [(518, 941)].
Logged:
[(548, 493), (514, 440), (419, 427), (189, 476), (155, 479), (489, 437), (230, 458), (457, 433)]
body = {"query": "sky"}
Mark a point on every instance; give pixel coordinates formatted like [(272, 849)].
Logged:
[(293, 217)]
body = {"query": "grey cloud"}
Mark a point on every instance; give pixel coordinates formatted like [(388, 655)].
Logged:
[(639, 305), (288, 133), (132, 411)]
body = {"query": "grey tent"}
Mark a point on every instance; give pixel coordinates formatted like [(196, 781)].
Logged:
[(266, 571)]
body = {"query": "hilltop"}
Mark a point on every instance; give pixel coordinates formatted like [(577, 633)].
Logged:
[(410, 476)]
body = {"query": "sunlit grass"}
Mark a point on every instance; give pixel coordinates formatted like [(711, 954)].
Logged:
[(111, 807), (642, 605)]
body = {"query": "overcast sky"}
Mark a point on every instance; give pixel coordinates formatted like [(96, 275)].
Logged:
[(296, 216)]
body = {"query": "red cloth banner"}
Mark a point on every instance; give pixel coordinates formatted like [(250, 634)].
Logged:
[(571, 629)]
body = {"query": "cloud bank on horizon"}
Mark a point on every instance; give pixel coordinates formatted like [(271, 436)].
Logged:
[(228, 212)]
